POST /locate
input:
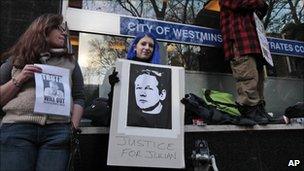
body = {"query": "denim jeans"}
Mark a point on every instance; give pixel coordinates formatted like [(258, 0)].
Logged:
[(30, 147)]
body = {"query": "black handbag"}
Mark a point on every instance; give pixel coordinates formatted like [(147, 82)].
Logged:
[(99, 112)]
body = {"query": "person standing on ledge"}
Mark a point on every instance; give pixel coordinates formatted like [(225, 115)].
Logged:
[(242, 48)]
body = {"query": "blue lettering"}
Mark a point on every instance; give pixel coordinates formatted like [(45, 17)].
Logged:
[(131, 26), (185, 33), (288, 47), (213, 37), (220, 39), (167, 30), (191, 34), (149, 27), (159, 30), (204, 36), (177, 32), (272, 45), (299, 49)]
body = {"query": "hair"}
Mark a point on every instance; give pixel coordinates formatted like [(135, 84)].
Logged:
[(155, 57), (34, 40), (158, 75)]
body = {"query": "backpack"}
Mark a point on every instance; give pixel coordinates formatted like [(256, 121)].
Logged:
[(222, 101), (195, 106), (295, 111)]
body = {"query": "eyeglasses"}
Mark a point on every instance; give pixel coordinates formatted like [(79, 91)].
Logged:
[(63, 27)]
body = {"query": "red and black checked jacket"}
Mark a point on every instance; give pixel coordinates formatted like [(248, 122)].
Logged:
[(238, 27)]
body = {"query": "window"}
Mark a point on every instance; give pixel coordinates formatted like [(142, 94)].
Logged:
[(98, 51)]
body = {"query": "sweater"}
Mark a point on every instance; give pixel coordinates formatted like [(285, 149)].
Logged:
[(21, 108)]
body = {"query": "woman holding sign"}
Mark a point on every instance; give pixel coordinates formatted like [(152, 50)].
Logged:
[(31, 141), (144, 48)]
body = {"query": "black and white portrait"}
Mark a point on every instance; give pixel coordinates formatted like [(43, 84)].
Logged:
[(54, 89), (149, 97), (53, 92)]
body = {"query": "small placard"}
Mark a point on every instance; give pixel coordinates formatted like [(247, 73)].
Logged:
[(53, 91), (263, 40)]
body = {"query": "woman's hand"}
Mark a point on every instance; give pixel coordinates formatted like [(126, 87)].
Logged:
[(27, 73), (76, 115), (9, 90)]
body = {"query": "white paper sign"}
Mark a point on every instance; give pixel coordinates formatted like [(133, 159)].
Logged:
[(263, 40), (147, 123), (53, 91)]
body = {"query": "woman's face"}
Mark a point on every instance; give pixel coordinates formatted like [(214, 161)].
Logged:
[(56, 38), (144, 48)]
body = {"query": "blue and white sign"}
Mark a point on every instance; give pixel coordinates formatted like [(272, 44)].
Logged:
[(169, 31), (286, 47), (182, 33), (114, 24)]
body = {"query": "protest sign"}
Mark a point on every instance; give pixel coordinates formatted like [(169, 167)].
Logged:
[(147, 116), (263, 40), (53, 91)]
